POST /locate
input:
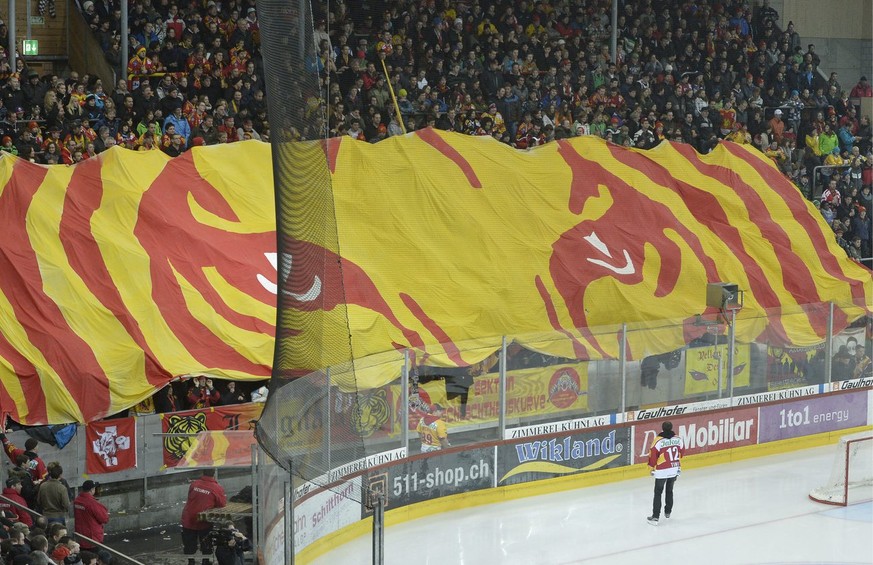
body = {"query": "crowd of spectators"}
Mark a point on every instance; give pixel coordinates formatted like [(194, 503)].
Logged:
[(525, 72), (36, 502), (198, 391), (36, 539), (40, 543), (43, 543)]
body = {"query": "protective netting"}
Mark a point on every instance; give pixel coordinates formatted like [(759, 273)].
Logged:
[(312, 329)]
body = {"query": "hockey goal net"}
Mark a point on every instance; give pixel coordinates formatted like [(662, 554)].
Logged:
[(851, 478)]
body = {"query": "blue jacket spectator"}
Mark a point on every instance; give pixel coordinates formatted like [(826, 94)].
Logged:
[(183, 128)]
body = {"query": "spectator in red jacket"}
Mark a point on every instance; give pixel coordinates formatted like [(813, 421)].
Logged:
[(13, 493), (862, 89), (90, 515), (35, 465), (203, 494), (203, 393)]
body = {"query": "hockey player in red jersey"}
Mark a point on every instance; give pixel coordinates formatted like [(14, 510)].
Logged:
[(664, 460)]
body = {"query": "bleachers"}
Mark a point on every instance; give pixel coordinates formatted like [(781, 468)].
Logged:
[(525, 74)]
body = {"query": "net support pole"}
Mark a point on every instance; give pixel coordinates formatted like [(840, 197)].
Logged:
[(393, 98), (302, 11), (622, 368), (846, 480), (10, 26), (289, 515), (328, 423), (731, 345), (718, 360), (404, 394), (378, 528), (613, 40), (255, 533), (829, 343), (501, 391), (125, 48)]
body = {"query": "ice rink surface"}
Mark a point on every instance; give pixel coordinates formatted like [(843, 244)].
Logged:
[(753, 511)]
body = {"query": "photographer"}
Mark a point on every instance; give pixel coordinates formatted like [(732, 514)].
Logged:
[(230, 545)]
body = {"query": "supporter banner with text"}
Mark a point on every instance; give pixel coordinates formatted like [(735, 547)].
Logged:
[(543, 390), (434, 476), (111, 446), (182, 427), (792, 367), (701, 432), (701, 368), (539, 459)]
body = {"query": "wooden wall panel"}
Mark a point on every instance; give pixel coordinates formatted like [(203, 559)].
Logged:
[(838, 19), (52, 35), (86, 56)]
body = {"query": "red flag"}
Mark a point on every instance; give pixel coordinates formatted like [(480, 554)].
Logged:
[(111, 446)]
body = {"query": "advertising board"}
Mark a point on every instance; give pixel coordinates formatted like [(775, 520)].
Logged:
[(556, 427), (325, 511), (676, 410), (852, 384), (537, 459), (812, 415), (433, 476), (274, 544), (701, 433)]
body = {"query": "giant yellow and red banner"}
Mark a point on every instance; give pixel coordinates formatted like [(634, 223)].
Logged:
[(125, 271)]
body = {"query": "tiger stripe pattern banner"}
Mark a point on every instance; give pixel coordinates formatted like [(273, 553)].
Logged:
[(181, 429), (220, 449), (128, 270)]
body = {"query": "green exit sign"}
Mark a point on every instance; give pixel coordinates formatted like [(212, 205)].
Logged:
[(30, 47)]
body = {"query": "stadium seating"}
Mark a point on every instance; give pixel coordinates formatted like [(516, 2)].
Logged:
[(525, 73)]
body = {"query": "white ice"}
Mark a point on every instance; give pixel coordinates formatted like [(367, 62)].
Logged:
[(753, 511)]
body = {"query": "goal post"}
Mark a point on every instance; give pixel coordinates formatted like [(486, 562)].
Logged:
[(851, 479)]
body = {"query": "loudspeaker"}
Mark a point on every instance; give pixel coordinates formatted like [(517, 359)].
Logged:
[(723, 296)]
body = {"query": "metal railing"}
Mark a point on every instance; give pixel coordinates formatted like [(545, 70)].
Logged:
[(149, 456), (115, 552), (813, 195)]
